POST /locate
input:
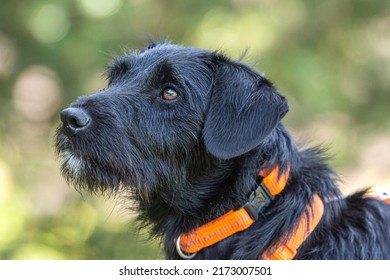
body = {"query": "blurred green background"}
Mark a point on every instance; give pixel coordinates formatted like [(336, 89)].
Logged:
[(331, 59)]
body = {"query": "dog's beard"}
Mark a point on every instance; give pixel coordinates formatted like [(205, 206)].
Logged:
[(71, 165), (93, 177), (95, 168)]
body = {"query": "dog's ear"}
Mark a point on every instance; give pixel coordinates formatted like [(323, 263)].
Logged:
[(244, 109)]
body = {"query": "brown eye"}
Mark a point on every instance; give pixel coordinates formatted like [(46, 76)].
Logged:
[(169, 94)]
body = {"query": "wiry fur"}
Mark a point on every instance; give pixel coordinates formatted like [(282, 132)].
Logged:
[(190, 160)]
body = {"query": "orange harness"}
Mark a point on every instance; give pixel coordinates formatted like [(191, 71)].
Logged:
[(188, 244)]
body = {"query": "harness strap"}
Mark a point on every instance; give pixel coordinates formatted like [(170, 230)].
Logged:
[(306, 224), (215, 231), (274, 182), (234, 221)]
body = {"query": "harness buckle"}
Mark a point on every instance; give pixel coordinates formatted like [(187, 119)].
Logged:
[(258, 199)]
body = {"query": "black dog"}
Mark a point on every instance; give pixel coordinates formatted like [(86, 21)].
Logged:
[(197, 140)]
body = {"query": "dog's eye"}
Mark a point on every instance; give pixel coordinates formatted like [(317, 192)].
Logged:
[(169, 94)]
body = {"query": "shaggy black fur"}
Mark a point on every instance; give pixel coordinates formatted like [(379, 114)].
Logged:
[(186, 132)]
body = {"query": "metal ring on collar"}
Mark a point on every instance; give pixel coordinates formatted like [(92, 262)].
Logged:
[(181, 253)]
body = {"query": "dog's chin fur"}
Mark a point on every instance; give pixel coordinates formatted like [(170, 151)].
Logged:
[(199, 157)]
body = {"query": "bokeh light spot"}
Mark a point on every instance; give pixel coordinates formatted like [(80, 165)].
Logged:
[(37, 93), (49, 24), (100, 8), (220, 26)]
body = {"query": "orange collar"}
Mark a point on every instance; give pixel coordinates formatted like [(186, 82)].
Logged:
[(188, 244)]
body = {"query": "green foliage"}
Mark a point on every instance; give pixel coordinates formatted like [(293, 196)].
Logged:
[(330, 58)]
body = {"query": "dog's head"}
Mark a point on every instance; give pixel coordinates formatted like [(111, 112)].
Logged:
[(167, 115)]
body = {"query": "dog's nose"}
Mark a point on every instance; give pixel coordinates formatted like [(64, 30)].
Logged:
[(74, 120)]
